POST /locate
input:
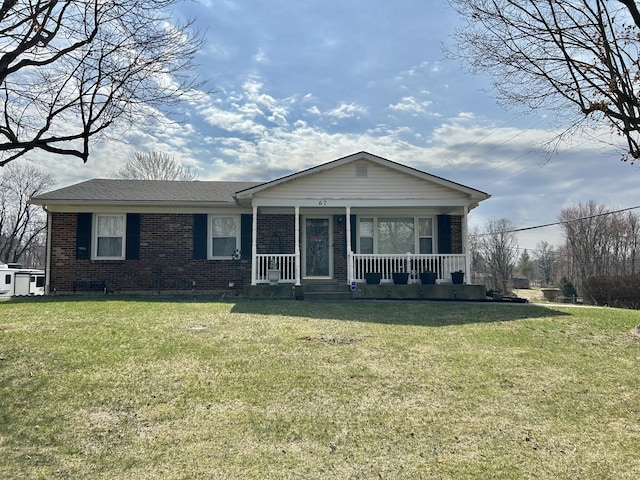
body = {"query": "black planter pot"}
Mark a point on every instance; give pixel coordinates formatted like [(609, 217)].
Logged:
[(400, 278), (428, 278), (372, 278), (457, 278)]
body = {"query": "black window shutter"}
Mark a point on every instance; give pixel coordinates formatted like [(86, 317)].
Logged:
[(133, 236), (354, 233), (246, 227), (200, 236), (444, 234), (83, 236)]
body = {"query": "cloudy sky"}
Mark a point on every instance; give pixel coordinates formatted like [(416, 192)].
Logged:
[(300, 83)]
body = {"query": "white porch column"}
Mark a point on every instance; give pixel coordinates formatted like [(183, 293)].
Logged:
[(254, 246), (349, 248), (297, 244), (465, 243)]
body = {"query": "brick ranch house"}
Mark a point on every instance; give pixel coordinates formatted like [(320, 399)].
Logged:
[(333, 223)]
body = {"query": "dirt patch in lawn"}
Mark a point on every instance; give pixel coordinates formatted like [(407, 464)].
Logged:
[(329, 339)]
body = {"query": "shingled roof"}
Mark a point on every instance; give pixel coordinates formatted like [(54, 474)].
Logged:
[(143, 191)]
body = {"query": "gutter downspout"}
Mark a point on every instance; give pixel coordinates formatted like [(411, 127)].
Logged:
[(47, 268)]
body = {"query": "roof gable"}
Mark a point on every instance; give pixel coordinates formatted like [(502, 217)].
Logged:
[(411, 182)]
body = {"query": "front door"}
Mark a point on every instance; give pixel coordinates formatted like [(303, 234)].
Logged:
[(317, 249)]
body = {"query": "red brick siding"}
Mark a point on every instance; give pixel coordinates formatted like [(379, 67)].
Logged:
[(339, 248), (277, 233), (456, 234), (166, 259)]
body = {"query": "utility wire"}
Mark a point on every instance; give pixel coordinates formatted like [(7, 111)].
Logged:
[(522, 229), (458, 152)]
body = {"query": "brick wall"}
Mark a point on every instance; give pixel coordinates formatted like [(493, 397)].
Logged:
[(340, 248), (166, 259), (277, 233), (456, 234)]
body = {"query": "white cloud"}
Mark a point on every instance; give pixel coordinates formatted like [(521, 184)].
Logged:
[(410, 105), (261, 57), (346, 110)]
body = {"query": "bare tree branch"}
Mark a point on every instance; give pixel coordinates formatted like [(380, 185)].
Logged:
[(21, 224), (71, 70), (156, 166), (566, 56)]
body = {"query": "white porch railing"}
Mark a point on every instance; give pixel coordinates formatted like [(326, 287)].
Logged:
[(361, 264), (386, 265), (284, 262)]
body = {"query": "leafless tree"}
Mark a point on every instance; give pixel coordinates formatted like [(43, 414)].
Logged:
[(499, 249), (587, 230), (156, 166), (600, 242), (587, 234), (633, 242), (545, 260), (478, 266), (22, 225), (70, 70), (578, 56)]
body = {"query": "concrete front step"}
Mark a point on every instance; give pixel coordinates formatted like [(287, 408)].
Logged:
[(326, 291), (325, 287)]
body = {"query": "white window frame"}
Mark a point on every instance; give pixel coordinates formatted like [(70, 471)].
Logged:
[(94, 236), (373, 232), (210, 220), (432, 237), (416, 231)]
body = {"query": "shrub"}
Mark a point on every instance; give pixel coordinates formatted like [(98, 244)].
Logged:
[(614, 291), (566, 288)]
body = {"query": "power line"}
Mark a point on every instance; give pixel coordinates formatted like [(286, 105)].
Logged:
[(458, 152), (522, 229), (521, 132)]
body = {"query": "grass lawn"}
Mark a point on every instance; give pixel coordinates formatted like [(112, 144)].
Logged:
[(110, 388)]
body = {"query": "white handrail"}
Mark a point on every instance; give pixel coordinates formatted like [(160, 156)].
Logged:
[(387, 264), (285, 263), (360, 264)]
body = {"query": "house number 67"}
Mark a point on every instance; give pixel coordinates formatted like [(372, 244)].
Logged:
[(322, 203)]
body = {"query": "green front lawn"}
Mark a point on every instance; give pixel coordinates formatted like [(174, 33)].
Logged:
[(164, 388)]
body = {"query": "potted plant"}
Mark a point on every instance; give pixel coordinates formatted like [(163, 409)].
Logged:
[(400, 278), (273, 272), (372, 278), (428, 278), (457, 278)]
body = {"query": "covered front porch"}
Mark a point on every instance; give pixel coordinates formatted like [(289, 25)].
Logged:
[(303, 245), (358, 215)]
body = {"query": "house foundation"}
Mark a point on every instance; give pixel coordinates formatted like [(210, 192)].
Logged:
[(445, 291)]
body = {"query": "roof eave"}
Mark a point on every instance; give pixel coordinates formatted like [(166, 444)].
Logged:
[(135, 203)]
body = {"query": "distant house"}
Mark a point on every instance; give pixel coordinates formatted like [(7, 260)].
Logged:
[(334, 223), (520, 282)]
